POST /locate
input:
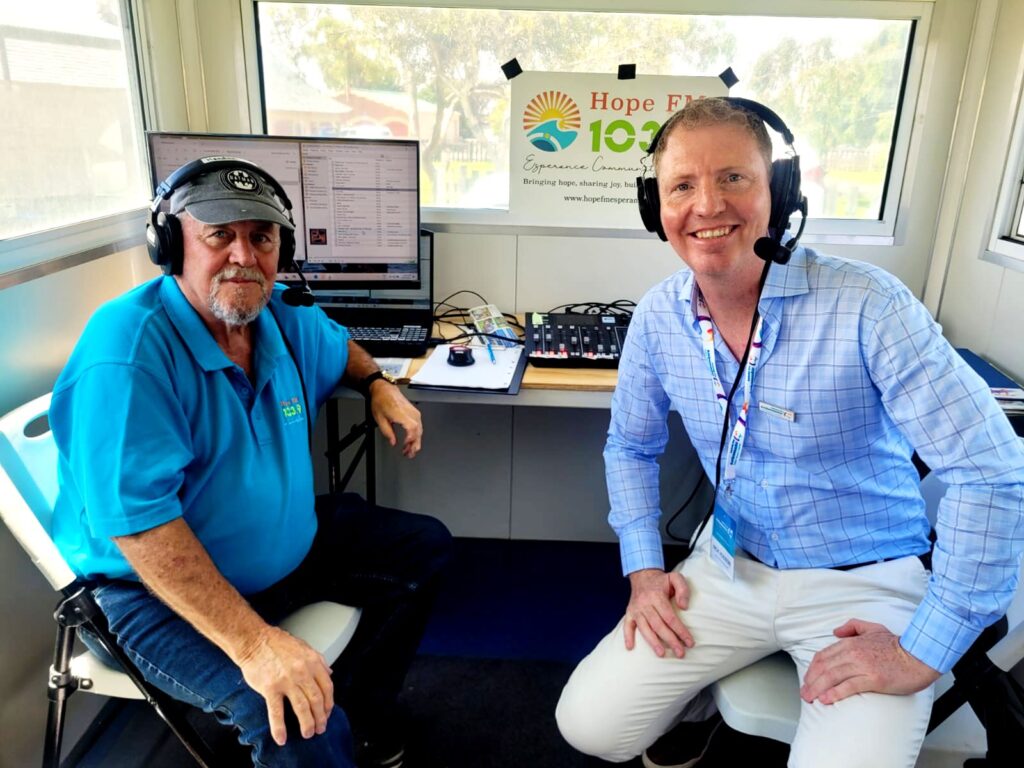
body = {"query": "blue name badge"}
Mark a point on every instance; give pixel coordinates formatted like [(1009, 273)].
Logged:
[(723, 542)]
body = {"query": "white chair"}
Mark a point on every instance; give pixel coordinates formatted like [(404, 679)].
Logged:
[(28, 490), (763, 699)]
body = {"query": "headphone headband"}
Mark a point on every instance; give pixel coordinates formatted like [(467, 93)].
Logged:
[(766, 115)]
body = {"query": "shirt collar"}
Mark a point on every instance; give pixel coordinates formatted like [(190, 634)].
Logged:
[(783, 280), (267, 342)]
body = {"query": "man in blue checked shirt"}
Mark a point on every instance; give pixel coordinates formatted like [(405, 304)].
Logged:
[(819, 542)]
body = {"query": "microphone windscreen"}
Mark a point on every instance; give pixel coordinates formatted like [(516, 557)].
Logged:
[(297, 297), (769, 250)]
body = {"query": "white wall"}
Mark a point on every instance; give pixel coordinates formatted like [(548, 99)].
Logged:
[(982, 303)]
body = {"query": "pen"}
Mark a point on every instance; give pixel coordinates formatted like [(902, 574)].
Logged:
[(490, 351)]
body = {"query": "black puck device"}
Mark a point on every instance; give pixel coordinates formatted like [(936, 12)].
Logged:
[(568, 340)]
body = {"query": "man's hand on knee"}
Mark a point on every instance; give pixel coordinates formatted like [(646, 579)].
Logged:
[(281, 666), (651, 609), (867, 658)]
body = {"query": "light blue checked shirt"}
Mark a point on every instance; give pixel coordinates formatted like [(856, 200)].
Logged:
[(870, 378)]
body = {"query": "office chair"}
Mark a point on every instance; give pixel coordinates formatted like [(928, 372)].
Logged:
[(763, 699), (28, 490)]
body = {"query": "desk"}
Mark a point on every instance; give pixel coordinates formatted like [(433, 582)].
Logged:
[(543, 387), (524, 466)]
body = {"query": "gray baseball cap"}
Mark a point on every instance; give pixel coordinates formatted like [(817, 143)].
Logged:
[(227, 195)]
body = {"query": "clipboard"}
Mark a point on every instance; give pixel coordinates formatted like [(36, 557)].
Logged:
[(436, 374)]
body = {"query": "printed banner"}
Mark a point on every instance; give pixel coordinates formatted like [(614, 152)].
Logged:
[(578, 139)]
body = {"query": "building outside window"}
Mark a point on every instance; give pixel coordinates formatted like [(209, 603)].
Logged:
[(70, 135)]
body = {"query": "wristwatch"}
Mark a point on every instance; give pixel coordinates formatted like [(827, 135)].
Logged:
[(364, 385)]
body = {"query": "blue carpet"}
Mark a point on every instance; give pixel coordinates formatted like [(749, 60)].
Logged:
[(537, 600)]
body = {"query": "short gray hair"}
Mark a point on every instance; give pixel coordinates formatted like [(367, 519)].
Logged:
[(715, 111)]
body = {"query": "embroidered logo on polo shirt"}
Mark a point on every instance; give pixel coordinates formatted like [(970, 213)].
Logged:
[(291, 410)]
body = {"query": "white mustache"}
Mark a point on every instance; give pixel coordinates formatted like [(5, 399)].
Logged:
[(246, 273)]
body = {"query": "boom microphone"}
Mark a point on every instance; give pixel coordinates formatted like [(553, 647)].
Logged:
[(298, 296)]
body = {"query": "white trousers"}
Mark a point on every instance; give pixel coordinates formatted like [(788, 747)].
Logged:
[(618, 702)]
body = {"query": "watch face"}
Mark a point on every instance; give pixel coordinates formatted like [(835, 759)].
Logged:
[(364, 386)]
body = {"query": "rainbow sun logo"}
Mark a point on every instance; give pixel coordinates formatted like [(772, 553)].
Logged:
[(551, 121)]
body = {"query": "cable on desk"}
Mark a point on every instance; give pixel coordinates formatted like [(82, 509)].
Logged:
[(623, 307), (460, 317), (472, 335)]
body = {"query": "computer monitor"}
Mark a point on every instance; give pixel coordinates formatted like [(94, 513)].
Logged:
[(355, 202)]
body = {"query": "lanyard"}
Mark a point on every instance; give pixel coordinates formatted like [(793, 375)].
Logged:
[(739, 431)]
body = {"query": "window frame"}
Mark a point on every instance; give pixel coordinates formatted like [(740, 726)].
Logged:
[(31, 255), (885, 230), (1006, 229)]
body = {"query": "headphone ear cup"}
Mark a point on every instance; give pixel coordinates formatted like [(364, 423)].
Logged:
[(175, 244), (164, 242), (287, 250), (649, 201), (785, 192)]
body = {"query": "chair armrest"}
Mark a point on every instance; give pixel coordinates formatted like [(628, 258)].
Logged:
[(1009, 651)]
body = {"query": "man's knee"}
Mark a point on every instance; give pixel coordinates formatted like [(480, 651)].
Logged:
[(437, 538), (863, 731), (433, 546), (868, 754), (590, 727), (332, 749)]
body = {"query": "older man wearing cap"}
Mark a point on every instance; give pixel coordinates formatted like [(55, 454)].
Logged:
[(183, 422)]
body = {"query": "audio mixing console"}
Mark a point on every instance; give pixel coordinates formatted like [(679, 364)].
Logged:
[(575, 341)]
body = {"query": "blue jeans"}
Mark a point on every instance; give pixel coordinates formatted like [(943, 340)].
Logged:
[(385, 561)]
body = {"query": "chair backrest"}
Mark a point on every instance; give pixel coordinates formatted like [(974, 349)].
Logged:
[(28, 486)]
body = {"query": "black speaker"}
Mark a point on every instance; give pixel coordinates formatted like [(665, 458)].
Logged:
[(784, 188), (163, 232)]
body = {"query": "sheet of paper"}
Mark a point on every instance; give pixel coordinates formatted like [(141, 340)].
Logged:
[(396, 366), (482, 374)]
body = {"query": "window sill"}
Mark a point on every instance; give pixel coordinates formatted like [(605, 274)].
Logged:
[(1006, 253), (31, 256)]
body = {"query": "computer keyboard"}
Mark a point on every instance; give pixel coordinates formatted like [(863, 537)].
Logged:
[(396, 341), (406, 333)]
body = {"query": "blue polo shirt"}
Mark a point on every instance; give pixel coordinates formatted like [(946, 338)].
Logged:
[(153, 422)]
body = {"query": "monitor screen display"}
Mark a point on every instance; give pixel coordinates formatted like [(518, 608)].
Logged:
[(355, 202)]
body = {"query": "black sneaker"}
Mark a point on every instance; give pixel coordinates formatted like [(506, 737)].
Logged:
[(383, 753), (684, 745)]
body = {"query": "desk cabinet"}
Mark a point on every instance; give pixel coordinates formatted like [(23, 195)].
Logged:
[(521, 472)]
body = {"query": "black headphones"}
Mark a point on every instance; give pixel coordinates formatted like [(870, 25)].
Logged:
[(163, 232), (784, 188)]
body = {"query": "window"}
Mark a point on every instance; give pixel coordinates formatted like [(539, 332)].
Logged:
[(434, 74), (1006, 242), (1019, 229), (70, 138)]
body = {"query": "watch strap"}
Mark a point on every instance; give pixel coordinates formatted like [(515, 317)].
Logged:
[(366, 381)]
